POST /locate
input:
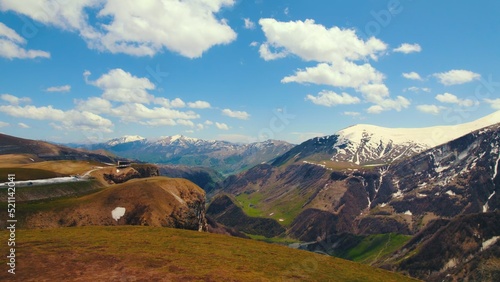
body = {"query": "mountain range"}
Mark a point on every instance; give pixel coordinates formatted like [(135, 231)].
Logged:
[(223, 156)]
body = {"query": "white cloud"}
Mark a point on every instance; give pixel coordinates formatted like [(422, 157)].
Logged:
[(23, 125), (4, 124), (160, 122), (417, 89), (494, 103), (351, 114), (412, 75), (11, 45), (14, 100), (248, 23), (62, 88), (209, 122), (314, 42), (94, 104), (343, 74), (397, 104), (121, 86), (175, 103), (452, 99), (135, 112), (67, 120), (235, 114), (337, 51), (136, 27), (330, 98), (268, 55), (453, 77), (221, 126), (144, 28), (185, 122), (199, 105), (430, 109), (254, 43), (407, 48)]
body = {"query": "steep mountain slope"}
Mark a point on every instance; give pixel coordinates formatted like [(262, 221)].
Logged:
[(205, 177), (226, 157), (368, 144)]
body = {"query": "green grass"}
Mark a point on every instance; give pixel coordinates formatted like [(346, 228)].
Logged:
[(149, 253), (27, 173), (274, 240), (250, 204), (374, 247)]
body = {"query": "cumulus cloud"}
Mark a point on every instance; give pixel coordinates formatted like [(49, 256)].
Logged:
[(248, 23), (397, 104), (4, 124), (407, 48), (314, 42), (454, 77), (494, 103), (221, 126), (452, 99), (14, 100), (412, 75), (337, 52), (199, 105), (430, 109), (330, 98), (343, 74), (67, 120), (235, 114), (62, 88), (121, 86), (11, 45), (139, 28)]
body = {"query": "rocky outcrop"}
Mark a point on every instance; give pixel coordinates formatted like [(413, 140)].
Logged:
[(122, 175)]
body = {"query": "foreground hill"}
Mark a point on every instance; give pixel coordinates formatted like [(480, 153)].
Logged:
[(223, 156), (155, 201), (135, 253)]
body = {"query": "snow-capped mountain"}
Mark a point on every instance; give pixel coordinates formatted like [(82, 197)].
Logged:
[(226, 157), (364, 144), (124, 139)]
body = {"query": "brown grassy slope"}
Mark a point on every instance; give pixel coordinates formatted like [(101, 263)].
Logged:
[(133, 253), (157, 201)]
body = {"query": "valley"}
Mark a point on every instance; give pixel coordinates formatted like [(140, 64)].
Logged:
[(389, 210)]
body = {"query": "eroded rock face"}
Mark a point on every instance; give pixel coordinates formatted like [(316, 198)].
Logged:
[(122, 175), (157, 201)]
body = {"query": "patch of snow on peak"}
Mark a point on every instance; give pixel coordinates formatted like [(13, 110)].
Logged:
[(117, 213), (125, 139)]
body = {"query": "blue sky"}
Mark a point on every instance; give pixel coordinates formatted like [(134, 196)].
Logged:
[(92, 70)]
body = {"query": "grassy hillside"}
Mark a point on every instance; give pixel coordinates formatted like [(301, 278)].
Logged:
[(134, 253)]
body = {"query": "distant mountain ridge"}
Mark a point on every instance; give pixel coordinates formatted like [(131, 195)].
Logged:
[(224, 156)]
